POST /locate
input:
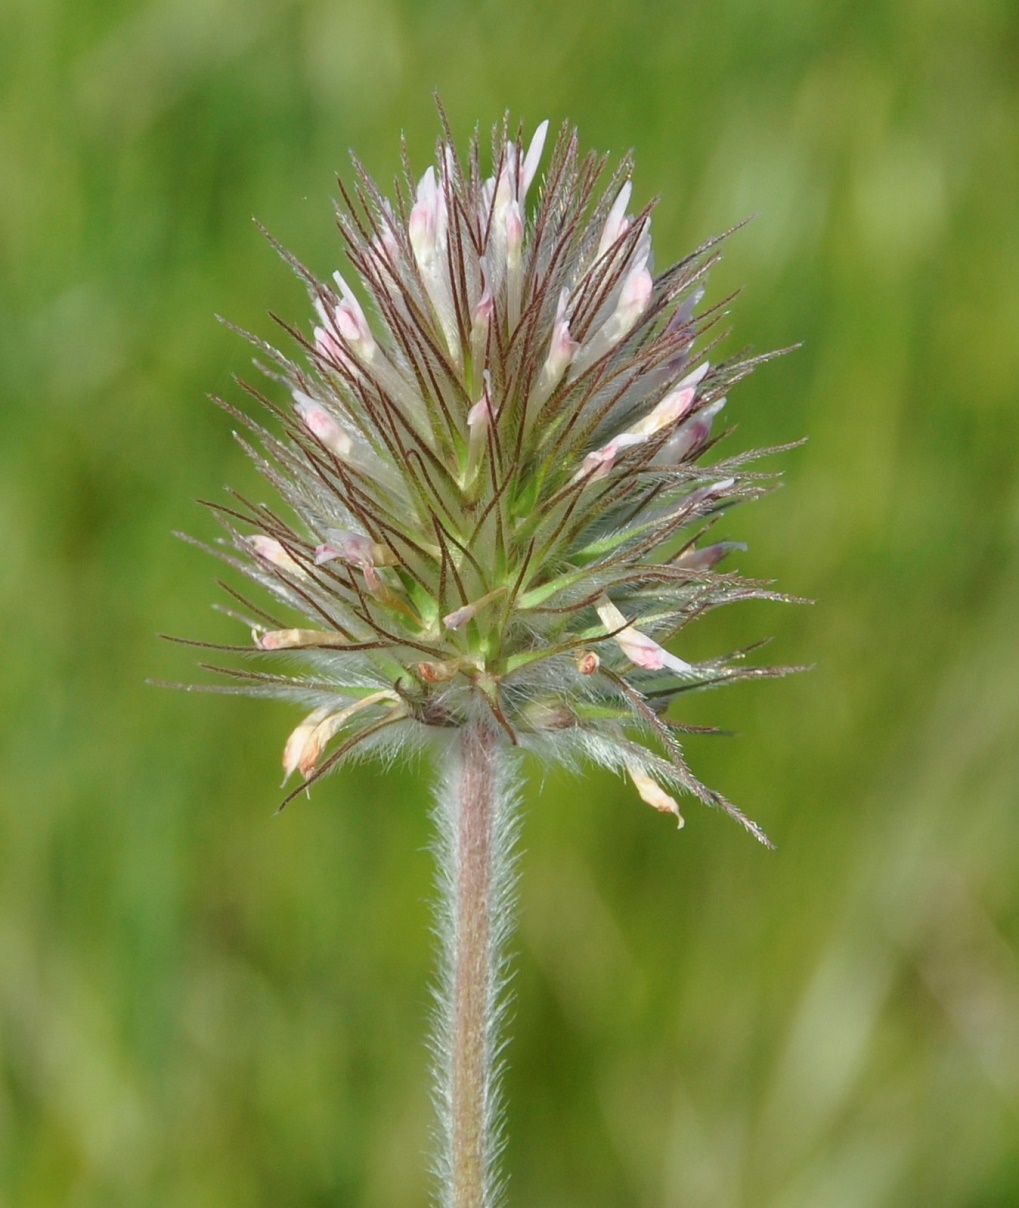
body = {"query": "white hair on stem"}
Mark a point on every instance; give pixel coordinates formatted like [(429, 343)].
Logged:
[(477, 825)]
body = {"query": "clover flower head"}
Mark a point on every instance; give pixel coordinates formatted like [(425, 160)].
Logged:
[(495, 461)]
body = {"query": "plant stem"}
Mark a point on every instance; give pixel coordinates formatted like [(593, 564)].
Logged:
[(476, 831)]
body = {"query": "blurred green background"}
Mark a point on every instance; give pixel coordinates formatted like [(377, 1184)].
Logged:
[(202, 1005)]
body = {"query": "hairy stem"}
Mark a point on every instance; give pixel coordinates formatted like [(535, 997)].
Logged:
[(475, 816)]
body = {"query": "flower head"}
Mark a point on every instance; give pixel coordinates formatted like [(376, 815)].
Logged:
[(495, 465)]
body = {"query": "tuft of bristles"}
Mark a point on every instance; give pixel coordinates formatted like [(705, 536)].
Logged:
[(497, 466)]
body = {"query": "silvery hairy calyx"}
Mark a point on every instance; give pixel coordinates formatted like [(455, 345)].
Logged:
[(496, 453)]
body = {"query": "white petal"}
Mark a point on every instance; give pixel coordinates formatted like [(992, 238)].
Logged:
[(423, 224), (532, 158), (641, 650), (297, 743), (653, 793), (514, 234), (330, 724), (615, 224), (326, 553), (670, 410), (695, 377), (693, 433)]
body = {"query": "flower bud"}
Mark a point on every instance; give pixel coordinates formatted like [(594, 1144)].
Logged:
[(460, 617), (588, 662), (708, 556), (354, 548), (294, 639), (351, 322), (322, 426), (270, 550)]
